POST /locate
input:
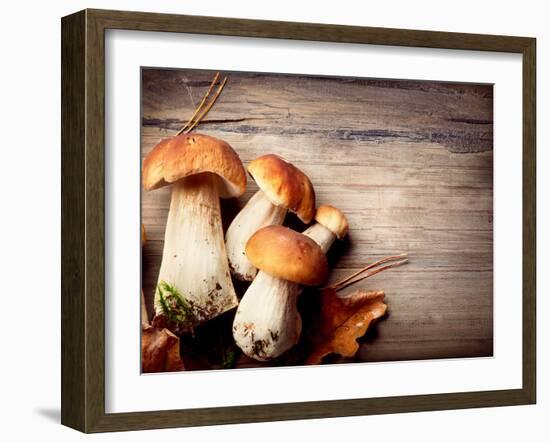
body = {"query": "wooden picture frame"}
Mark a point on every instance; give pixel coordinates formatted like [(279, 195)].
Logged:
[(83, 220)]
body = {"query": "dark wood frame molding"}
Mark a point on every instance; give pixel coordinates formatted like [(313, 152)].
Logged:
[(83, 216)]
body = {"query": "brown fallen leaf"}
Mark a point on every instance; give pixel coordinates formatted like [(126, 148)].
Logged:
[(160, 350), (343, 320)]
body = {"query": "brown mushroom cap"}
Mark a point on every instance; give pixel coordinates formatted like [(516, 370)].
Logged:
[(181, 156), (332, 219), (287, 254), (285, 185)]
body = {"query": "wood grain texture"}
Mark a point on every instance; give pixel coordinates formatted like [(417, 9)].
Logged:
[(72, 222), (409, 162), (530, 221)]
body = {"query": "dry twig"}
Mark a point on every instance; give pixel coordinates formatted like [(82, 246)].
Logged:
[(356, 277), (195, 120)]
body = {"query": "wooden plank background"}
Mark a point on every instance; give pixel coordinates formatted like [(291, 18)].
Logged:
[(410, 163)]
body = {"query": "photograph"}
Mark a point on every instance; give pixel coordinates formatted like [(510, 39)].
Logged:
[(300, 220)]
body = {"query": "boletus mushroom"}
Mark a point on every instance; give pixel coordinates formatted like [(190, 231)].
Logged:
[(283, 187), (267, 322), (194, 283), (331, 224)]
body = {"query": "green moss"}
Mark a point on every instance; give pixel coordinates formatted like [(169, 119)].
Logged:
[(173, 304), (229, 358)]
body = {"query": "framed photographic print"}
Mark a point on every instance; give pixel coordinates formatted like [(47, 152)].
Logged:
[(266, 220)]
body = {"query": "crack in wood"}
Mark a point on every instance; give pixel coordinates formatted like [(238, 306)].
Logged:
[(174, 123), (453, 141), (469, 121), (408, 85)]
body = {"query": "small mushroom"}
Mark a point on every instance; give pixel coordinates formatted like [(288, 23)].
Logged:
[(331, 224), (283, 187), (194, 283), (267, 322)]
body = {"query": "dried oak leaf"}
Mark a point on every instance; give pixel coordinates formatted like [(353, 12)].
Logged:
[(343, 320), (160, 350)]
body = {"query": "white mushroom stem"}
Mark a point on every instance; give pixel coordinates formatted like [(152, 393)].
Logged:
[(267, 322), (258, 212), (144, 314), (321, 235), (194, 261)]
